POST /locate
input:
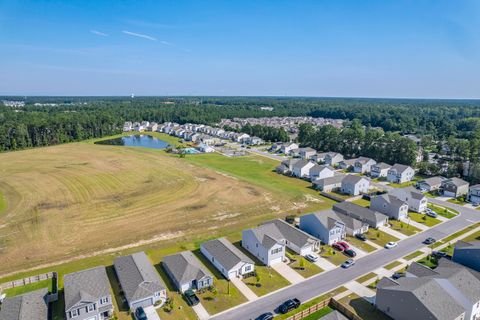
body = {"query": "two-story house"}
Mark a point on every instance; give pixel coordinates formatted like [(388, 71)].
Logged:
[(416, 200), (355, 185), (268, 248), (371, 217), (389, 205), (454, 187), (333, 158), (88, 295), (363, 165), (301, 168), (320, 172), (32, 305), (431, 184), (307, 153), (380, 170), (324, 225), (330, 184), (474, 194), (400, 173)]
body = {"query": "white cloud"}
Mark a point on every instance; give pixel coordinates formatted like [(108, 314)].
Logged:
[(166, 43), (98, 33), (139, 35)]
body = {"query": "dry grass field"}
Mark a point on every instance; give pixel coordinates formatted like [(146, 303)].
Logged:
[(77, 199)]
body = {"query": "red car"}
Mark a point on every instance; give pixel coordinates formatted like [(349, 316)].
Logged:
[(338, 247), (344, 245)]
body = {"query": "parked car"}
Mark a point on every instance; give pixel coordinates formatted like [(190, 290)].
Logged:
[(361, 236), (265, 316), (191, 298), (338, 247), (312, 257), (439, 254), (140, 314), (347, 264), (344, 245), (429, 240), (432, 214), (398, 275), (391, 244), (350, 253), (475, 204), (289, 305)]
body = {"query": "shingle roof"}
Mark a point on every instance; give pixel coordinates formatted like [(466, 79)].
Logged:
[(363, 160), (400, 168), (328, 218), (456, 182), (225, 253), (28, 306), (475, 187), (330, 180), (382, 166), (86, 285), (301, 163), (410, 191), (353, 179), (282, 230), (392, 200), (419, 270), (355, 210), (185, 267), (137, 276), (470, 245), (433, 181)]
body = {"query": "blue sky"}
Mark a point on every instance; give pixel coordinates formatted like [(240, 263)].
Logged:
[(366, 48)]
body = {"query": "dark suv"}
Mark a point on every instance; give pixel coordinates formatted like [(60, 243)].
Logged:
[(289, 305), (191, 298), (140, 314)]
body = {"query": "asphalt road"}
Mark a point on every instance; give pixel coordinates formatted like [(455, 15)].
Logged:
[(327, 281)]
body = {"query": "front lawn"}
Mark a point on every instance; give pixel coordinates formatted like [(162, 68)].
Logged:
[(379, 237), (429, 261), (460, 202), (16, 291), (403, 227), (392, 265), (402, 185), (443, 211), (362, 202), (423, 219), (362, 245), (362, 308), (266, 281), (318, 314), (413, 255), (473, 237), (306, 270), (332, 255)]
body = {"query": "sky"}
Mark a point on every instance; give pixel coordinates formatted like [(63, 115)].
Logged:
[(341, 48)]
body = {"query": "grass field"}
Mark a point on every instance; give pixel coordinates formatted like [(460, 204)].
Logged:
[(403, 227), (3, 203), (362, 245), (309, 269), (423, 219), (379, 237), (443, 211), (413, 255), (30, 287), (392, 265), (367, 277)]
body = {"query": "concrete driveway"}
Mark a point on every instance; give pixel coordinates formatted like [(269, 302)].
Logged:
[(288, 273), (396, 234), (151, 313), (201, 312), (244, 289)]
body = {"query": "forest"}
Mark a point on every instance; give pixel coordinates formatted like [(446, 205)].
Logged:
[(51, 120)]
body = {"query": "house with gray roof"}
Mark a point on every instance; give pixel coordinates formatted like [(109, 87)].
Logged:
[(467, 254), (301, 168), (454, 187), (334, 315), (474, 194), (227, 258), (363, 165), (347, 164), (373, 218), (320, 172), (140, 281), (323, 225), (28, 306), (88, 295), (416, 200), (187, 272), (431, 184), (333, 158), (389, 205), (307, 153), (400, 173), (355, 185), (380, 170), (329, 184), (450, 291)]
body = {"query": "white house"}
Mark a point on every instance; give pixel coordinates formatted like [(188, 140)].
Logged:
[(205, 148), (332, 158), (390, 205), (454, 187), (287, 147), (355, 185), (400, 173), (474, 194), (431, 184), (363, 165), (307, 153), (330, 184), (267, 248), (320, 172), (380, 170), (416, 200), (227, 258), (324, 226), (302, 168)]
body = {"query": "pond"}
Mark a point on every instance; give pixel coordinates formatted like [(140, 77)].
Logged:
[(145, 141)]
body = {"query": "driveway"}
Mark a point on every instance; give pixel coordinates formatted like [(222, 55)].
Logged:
[(329, 280), (151, 313), (244, 289), (392, 232), (325, 264), (288, 273), (201, 312)]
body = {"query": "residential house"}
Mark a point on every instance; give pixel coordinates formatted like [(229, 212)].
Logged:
[(324, 226), (319, 157), (373, 218), (88, 295), (227, 258), (275, 147), (127, 126), (380, 170), (450, 291), (467, 254), (287, 166), (333, 158), (320, 172), (347, 164), (355, 185), (363, 165), (152, 126), (474, 194), (286, 148), (334, 315), (400, 173), (255, 141), (416, 200), (329, 184), (307, 153), (205, 148), (28, 306), (266, 247), (390, 205), (431, 184), (301, 169), (454, 187), (187, 272), (139, 281)]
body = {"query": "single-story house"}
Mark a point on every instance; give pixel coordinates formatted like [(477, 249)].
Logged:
[(329, 184), (416, 200), (373, 218), (333, 158), (355, 185), (227, 258), (320, 172), (363, 165), (390, 205), (140, 282), (88, 295), (400, 173), (380, 170), (187, 272), (28, 306), (307, 153), (467, 254), (302, 168), (454, 187), (431, 184), (474, 194)]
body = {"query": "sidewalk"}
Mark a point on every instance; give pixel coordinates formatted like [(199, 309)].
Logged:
[(373, 244), (288, 273), (325, 264), (244, 289), (394, 233)]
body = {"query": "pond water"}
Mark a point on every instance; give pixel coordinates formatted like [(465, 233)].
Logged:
[(145, 141)]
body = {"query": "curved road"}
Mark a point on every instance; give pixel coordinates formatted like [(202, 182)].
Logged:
[(329, 280)]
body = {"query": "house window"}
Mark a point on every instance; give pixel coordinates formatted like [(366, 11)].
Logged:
[(90, 307), (103, 300), (74, 313), (157, 294), (248, 268)]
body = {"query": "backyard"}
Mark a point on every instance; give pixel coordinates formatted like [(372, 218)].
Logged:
[(362, 308)]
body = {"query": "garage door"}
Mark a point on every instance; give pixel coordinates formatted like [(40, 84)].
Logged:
[(143, 303), (92, 318), (277, 260), (232, 274)]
